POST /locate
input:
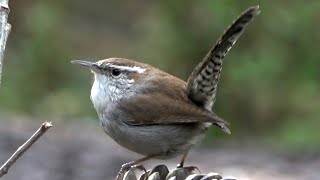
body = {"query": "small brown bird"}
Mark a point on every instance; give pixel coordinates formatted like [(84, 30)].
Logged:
[(153, 113)]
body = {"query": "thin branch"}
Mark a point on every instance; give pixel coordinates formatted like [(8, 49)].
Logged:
[(4, 30), (19, 152)]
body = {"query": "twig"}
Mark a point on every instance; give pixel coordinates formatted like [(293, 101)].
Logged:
[(4, 30), (19, 152)]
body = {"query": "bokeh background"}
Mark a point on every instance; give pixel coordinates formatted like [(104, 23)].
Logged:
[(269, 89)]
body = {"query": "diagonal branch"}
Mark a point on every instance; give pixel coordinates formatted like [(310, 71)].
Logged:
[(19, 152)]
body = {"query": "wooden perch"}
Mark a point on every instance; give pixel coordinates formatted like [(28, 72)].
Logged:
[(19, 152), (4, 30)]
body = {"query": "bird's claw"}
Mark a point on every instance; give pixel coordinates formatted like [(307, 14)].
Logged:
[(127, 167)]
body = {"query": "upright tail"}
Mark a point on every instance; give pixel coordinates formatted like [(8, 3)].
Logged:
[(202, 83)]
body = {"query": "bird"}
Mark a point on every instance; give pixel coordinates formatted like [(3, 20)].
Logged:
[(155, 114)]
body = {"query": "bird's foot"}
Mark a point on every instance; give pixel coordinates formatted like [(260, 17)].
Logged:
[(182, 172), (188, 168), (129, 166), (180, 165)]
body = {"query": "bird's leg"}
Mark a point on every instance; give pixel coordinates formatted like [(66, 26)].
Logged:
[(133, 164), (180, 165), (189, 168)]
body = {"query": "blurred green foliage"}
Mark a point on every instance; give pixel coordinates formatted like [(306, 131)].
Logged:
[(270, 82)]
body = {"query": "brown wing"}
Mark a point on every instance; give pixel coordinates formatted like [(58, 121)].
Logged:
[(202, 83), (170, 105)]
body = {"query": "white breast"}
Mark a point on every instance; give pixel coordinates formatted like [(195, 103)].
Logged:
[(106, 90), (100, 92)]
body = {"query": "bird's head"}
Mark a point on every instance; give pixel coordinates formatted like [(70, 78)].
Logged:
[(114, 78)]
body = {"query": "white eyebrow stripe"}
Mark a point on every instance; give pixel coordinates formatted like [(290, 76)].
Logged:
[(128, 68)]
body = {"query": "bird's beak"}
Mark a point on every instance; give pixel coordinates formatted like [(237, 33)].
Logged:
[(91, 65)]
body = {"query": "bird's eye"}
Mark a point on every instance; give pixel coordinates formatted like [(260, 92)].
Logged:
[(115, 72)]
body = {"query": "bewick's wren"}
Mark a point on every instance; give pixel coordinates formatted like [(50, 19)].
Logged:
[(153, 113)]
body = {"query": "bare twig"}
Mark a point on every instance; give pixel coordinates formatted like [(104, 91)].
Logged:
[(19, 152), (4, 30)]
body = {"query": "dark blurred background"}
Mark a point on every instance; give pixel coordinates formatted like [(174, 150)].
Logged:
[(270, 85)]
